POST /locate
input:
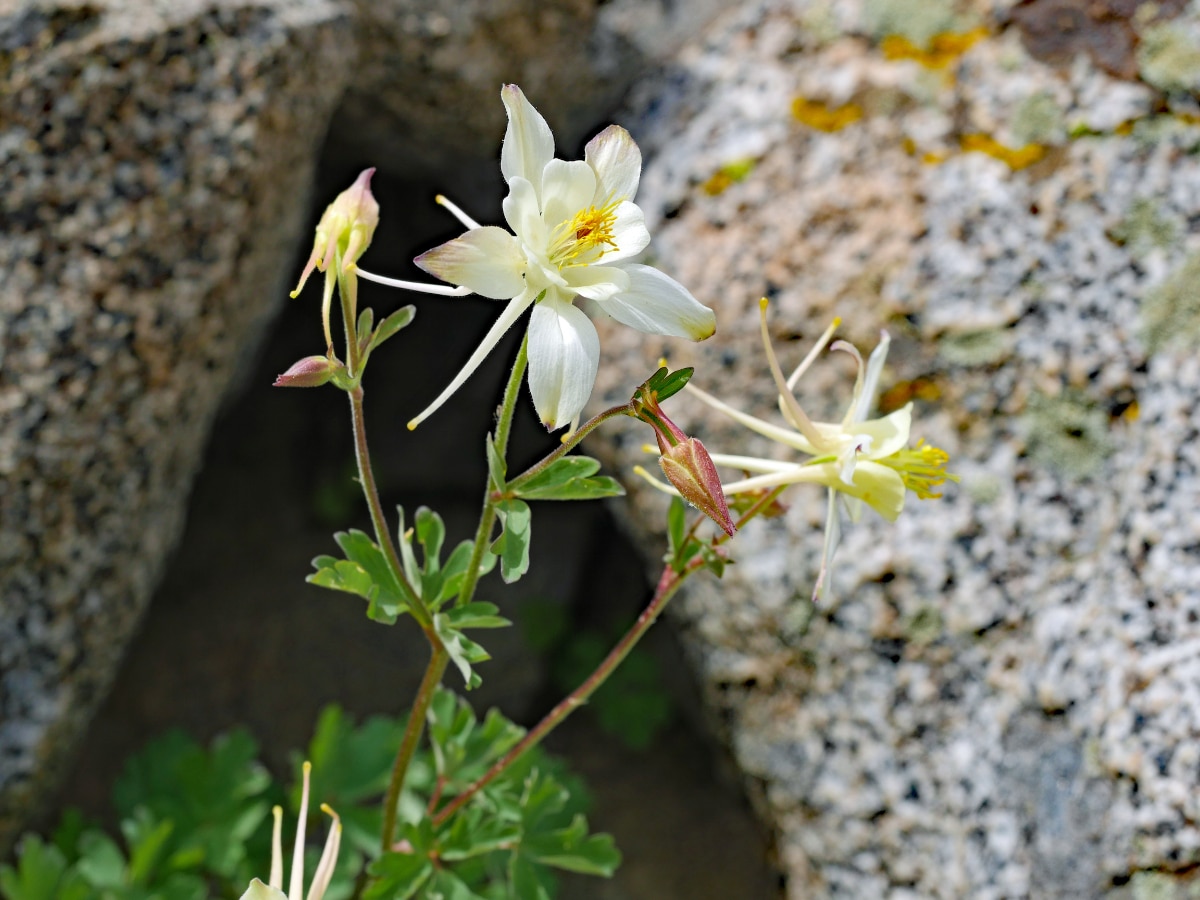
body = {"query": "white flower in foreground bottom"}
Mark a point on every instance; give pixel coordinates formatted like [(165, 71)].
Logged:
[(864, 460), (575, 231), (320, 882)]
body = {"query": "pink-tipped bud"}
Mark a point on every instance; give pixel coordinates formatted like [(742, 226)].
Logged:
[(312, 371), (347, 226), (691, 471)]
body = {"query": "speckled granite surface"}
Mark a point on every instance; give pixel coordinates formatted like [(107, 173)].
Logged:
[(156, 163), (1004, 700)]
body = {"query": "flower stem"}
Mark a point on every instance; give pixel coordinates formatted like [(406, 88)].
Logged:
[(487, 517), (366, 478), (668, 584), (412, 736), (436, 669), (571, 442)]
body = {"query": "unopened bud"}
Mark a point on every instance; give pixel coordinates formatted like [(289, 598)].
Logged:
[(691, 471), (312, 371), (346, 228)]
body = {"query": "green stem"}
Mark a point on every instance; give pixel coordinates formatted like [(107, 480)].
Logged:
[(571, 442), (366, 478), (412, 736), (668, 584), (487, 517)]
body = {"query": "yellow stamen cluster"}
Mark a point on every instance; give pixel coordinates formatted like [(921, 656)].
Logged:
[(588, 229), (922, 469)]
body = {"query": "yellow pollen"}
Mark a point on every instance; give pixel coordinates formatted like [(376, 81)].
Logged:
[(590, 228), (922, 469)]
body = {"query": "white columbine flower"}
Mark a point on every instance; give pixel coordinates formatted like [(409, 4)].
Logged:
[(575, 230), (863, 460), (321, 878)]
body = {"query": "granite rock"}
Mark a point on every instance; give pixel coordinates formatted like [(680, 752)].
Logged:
[(157, 161), (1002, 698)]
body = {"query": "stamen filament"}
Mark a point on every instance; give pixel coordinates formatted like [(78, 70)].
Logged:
[(511, 313), (443, 290), (457, 212), (800, 420)]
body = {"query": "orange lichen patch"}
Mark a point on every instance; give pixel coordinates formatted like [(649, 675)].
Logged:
[(943, 48), (1016, 158), (918, 389), (728, 174), (817, 115)]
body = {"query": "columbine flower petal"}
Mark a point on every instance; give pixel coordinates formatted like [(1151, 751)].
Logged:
[(629, 234), (564, 352), (528, 142), (617, 162), (511, 313), (567, 188), (658, 304), (596, 282), (488, 260)]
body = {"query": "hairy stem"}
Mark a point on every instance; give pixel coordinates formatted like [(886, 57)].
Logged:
[(408, 744)]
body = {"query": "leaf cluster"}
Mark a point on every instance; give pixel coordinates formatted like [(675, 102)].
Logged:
[(190, 822), (504, 841), (194, 820)]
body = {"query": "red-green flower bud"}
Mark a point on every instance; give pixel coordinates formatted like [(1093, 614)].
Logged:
[(691, 471), (312, 371)]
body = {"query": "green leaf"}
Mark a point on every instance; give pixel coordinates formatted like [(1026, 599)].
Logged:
[(101, 861), (431, 532), (455, 571), (572, 848), (448, 886), (476, 831), (497, 468), (398, 876), (676, 528), (463, 748), (527, 880), (41, 873), (392, 324), (464, 652), (559, 473), (569, 478), (147, 841), (366, 319), (512, 546), (714, 561), (666, 384), (364, 572), (476, 615), (213, 797), (408, 559)]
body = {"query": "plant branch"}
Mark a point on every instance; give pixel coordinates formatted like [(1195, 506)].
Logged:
[(668, 584), (571, 442), (408, 744)]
